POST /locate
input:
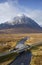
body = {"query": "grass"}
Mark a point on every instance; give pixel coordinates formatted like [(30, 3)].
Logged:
[(36, 55), (36, 60), (4, 60)]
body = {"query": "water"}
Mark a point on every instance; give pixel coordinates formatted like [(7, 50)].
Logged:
[(23, 59)]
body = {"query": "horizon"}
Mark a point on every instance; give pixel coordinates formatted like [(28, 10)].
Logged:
[(11, 8)]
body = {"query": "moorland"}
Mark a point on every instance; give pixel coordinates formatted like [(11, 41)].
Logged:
[(9, 41)]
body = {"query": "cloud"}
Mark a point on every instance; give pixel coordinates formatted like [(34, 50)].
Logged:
[(11, 8), (36, 15), (7, 11)]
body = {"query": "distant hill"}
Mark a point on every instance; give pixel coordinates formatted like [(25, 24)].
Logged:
[(20, 24)]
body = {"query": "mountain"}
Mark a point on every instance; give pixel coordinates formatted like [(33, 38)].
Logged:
[(40, 25), (20, 24)]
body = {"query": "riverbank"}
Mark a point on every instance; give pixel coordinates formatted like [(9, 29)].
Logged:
[(36, 55)]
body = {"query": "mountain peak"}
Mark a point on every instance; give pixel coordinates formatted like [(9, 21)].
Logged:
[(17, 19), (21, 15)]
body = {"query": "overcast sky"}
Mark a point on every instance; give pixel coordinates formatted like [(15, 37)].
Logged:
[(12, 8)]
